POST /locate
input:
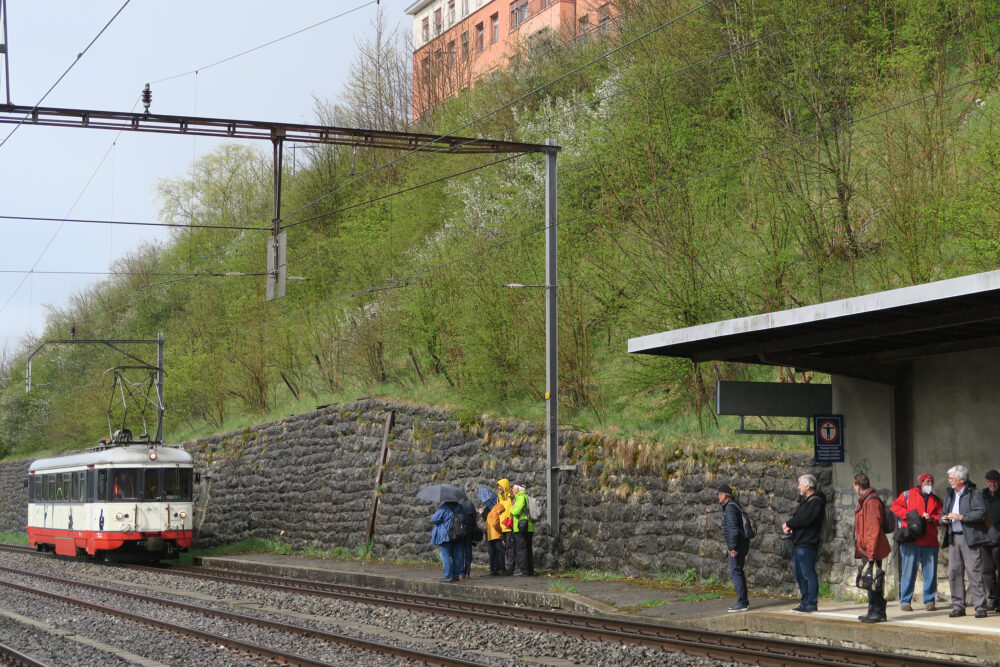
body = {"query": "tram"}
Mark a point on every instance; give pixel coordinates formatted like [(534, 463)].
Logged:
[(115, 502)]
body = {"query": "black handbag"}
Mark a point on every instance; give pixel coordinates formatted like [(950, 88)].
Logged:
[(870, 577)]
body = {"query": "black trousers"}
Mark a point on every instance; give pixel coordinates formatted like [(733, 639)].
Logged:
[(495, 550), (508, 554), (876, 599), (522, 548), (991, 573)]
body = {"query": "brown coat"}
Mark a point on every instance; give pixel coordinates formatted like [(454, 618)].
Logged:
[(869, 539)]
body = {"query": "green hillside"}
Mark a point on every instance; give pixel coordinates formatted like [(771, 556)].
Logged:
[(727, 161)]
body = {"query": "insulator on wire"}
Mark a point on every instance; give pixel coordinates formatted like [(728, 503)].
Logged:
[(147, 97)]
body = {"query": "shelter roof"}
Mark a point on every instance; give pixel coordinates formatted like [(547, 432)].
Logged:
[(872, 336)]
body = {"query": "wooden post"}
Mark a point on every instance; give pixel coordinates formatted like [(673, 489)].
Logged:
[(389, 418)]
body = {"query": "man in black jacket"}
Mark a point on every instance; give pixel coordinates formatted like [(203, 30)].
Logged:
[(991, 552), (803, 528), (737, 545), (964, 514)]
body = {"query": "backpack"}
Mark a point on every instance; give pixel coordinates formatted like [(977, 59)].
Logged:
[(889, 523), (534, 511), (459, 527), (749, 525)]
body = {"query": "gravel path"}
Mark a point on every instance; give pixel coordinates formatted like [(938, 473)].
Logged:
[(62, 631)]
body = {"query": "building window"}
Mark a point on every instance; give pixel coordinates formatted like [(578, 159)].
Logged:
[(518, 13), (451, 52), (425, 29), (604, 15), (437, 21), (479, 37), (465, 46), (584, 25), (494, 29), (451, 12), (465, 8)]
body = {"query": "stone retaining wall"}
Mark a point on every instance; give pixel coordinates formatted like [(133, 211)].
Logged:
[(309, 480)]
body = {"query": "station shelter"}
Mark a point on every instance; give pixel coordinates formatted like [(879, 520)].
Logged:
[(914, 371)]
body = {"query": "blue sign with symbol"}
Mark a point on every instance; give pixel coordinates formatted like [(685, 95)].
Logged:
[(829, 438)]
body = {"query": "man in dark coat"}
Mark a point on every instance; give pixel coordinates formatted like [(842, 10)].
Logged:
[(737, 545), (803, 528), (991, 552), (966, 535)]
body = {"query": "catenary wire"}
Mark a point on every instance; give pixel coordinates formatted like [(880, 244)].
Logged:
[(261, 46), (63, 75), (29, 218)]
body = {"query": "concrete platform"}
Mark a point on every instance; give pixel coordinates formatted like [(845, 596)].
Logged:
[(965, 639)]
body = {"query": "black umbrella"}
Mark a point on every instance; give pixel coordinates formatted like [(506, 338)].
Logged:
[(441, 493)]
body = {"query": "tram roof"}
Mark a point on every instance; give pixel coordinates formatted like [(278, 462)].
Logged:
[(871, 336), (119, 456)]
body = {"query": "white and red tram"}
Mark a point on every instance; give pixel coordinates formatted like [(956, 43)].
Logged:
[(133, 500)]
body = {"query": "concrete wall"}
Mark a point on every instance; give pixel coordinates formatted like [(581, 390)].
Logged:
[(955, 416)]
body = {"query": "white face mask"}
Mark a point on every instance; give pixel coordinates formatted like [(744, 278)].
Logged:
[(927, 488)]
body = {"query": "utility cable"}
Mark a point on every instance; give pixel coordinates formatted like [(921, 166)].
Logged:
[(261, 46), (63, 75), (30, 218)]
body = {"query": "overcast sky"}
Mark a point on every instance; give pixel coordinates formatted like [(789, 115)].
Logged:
[(81, 173)]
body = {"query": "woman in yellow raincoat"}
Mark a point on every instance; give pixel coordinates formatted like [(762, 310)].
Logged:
[(505, 500)]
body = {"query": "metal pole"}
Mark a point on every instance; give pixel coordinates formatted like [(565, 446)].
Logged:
[(6, 49), (551, 339), (159, 388)]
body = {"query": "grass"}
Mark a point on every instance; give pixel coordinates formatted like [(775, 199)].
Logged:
[(649, 604), (14, 538), (700, 597), (262, 546), (559, 587)]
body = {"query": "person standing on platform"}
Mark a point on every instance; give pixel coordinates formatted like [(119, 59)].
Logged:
[(737, 545), (452, 553), (803, 528), (524, 531), (494, 540), (965, 537), (922, 552), (469, 516), (506, 501), (991, 552), (870, 543)]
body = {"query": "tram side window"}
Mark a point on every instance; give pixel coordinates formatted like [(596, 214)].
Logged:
[(151, 484), (102, 485), (52, 487), (177, 484), (41, 487), (124, 484)]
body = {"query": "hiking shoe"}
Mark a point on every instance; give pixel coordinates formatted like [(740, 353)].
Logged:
[(873, 619), (905, 607), (739, 606), (930, 606), (804, 609), (955, 613), (981, 613)]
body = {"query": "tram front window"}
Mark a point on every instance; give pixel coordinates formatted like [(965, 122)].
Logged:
[(123, 484)]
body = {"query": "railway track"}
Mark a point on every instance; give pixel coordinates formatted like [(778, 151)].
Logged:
[(272, 655), (692, 642), (715, 645), (9, 656)]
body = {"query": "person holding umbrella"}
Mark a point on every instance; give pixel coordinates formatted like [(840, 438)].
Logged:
[(451, 547)]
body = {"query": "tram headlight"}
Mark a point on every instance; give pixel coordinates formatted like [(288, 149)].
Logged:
[(152, 456), (119, 516), (184, 515)]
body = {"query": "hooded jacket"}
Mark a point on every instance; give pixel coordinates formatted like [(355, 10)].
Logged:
[(521, 514), (506, 501), (492, 521), (972, 507)]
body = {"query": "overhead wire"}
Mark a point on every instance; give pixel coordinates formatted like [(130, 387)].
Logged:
[(63, 75), (266, 44), (35, 218)]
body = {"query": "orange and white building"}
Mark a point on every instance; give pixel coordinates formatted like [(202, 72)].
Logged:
[(458, 41)]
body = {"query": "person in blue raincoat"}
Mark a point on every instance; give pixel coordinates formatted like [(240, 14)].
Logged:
[(452, 552)]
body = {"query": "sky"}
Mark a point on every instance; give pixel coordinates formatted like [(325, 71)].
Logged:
[(88, 173)]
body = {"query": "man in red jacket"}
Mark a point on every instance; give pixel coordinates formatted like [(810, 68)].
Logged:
[(923, 551), (870, 543)]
